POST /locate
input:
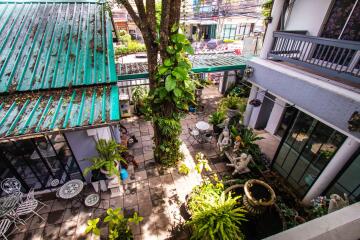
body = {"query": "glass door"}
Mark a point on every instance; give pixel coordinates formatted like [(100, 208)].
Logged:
[(348, 181), (41, 162), (306, 151)]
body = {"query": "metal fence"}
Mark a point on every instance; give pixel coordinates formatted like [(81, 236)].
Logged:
[(336, 58)]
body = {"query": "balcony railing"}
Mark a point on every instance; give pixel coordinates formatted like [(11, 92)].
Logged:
[(333, 57)]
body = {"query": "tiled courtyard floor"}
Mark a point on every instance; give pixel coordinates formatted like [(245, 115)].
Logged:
[(155, 193)]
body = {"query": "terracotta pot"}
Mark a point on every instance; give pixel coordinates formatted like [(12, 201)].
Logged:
[(107, 174)]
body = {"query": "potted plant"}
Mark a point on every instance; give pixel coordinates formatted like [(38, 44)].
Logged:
[(233, 105), (139, 94), (109, 158), (217, 118), (118, 225), (209, 202)]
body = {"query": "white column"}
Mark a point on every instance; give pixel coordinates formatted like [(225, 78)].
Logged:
[(341, 157), (275, 116), (268, 41), (249, 107), (256, 110)]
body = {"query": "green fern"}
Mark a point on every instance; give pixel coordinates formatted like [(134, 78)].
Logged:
[(109, 153), (215, 215)]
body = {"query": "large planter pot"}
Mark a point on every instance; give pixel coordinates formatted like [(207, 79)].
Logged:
[(107, 174), (232, 112), (258, 196)]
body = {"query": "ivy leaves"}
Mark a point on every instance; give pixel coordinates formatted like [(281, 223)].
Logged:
[(174, 73), (170, 83)]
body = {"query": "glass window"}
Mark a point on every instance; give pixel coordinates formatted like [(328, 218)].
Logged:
[(306, 150), (348, 182), (36, 162), (286, 120), (229, 31)]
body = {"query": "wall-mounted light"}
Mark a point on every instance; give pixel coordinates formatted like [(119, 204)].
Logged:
[(248, 72)]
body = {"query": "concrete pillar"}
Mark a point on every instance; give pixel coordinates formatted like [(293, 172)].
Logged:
[(275, 14), (256, 110), (342, 156), (275, 116), (249, 107)]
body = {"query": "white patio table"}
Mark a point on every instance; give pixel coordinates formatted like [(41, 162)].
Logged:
[(202, 126), (71, 189)]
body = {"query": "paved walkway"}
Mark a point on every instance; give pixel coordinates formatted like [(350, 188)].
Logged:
[(155, 193)]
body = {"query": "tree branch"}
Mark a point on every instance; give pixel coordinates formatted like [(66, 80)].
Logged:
[(151, 16), (175, 12), (164, 27), (130, 10)]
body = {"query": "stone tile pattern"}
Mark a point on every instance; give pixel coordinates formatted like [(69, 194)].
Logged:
[(156, 193)]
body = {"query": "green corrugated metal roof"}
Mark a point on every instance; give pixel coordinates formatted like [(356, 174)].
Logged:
[(31, 113), (201, 64), (55, 44)]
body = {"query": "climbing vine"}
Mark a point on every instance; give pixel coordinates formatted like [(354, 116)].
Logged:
[(171, 98)]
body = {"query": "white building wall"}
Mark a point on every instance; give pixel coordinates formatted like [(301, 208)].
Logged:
[(339, 225), (308, 15)]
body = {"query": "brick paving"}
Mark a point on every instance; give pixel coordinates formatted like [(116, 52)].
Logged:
[(157, 194)]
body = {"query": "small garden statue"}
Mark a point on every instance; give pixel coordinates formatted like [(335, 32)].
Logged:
[(224, 139), (337, 202), (240, 163), (237, 144)]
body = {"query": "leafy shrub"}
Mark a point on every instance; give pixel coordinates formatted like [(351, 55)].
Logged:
[(217, 118), (118, 225), (240, 92), (233, 102), (109, 152), (183, 169), (215, 215), (130, 47)]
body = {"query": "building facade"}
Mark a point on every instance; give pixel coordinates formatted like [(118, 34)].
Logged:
[(219, 19), (307, 80)]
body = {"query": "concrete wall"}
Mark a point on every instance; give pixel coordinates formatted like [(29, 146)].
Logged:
[(308, 15), (310, 93), (342, 224)]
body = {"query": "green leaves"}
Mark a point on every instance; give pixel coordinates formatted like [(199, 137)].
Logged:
[(162, 70), (92, 226), (168, 62), (189, 49), (178, 38), (170, 83), (177, 92)]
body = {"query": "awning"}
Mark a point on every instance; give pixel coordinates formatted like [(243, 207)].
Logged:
[(202, 63), (46, 45), (33, 113)]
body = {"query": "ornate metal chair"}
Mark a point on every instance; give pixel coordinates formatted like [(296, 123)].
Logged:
[(11, 185), (5, 224)]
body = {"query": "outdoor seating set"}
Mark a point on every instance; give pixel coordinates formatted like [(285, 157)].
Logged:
[(16, 207), (201, 133)]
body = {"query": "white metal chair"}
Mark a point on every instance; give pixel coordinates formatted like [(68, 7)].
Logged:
[(195, 133), (4, 227), (28, 207)]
